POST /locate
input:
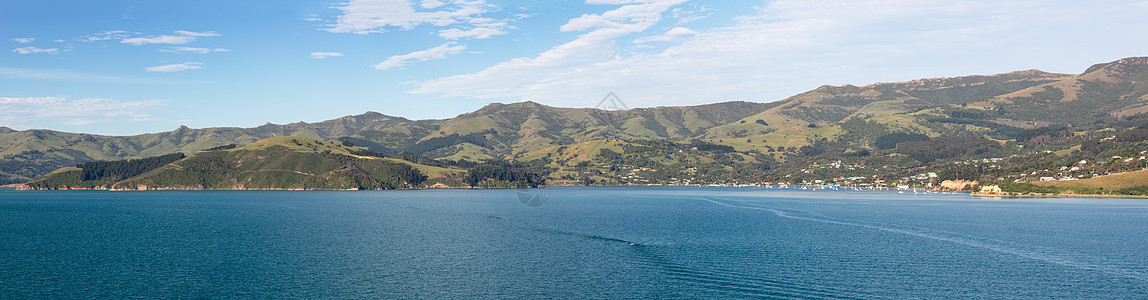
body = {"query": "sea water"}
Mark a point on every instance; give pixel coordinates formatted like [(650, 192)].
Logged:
[(593, 242)]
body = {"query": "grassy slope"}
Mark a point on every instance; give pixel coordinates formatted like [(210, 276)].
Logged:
[(297, 144), (571, 155), (468, 151), (33, 153), (309, 145), (1118, 88), (275, 163), (583, 160), (432, 172), (525, 127), (885, 102), (1109, 182)]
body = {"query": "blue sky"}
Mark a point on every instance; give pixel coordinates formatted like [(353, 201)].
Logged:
[(131, 67)]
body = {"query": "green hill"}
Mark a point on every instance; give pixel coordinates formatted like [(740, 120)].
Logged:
[(650, 162), (1110, 182), (496, 131), (502, 130), (891, 104), (276, 163), (31, 153), (1101, 94), (841, 125)]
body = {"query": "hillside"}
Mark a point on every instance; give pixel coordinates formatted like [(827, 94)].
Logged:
[(502, 130), (297, 163), (31, 153), (832, 132), (832, 104), (996, 107), (650, 162), (1111, 182), (1101, 94), (496, 131)]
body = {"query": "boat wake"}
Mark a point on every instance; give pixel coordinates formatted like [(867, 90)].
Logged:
[(714, 280), (582, 235), (1038, 253)]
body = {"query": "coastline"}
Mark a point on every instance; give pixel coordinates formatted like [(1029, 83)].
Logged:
[(24, 187), (1061, 195)]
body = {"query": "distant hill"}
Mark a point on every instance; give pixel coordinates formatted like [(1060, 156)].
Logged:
[(1101, 94), (496, 131), (502, 130), (831, 104), (1110, 182), (1033, 106), (28, 154), (649, 162), (996, 107), (297, 163), (893, 107)]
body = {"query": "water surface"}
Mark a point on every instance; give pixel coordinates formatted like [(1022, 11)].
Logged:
[(663, 242)]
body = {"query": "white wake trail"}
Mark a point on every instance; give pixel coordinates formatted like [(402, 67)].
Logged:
[(1045, 257)]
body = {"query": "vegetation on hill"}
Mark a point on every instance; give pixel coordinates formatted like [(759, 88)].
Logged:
[(503, 175), (276, 163), (496, 131), (286, 163), (123, 169), (1009, 129)]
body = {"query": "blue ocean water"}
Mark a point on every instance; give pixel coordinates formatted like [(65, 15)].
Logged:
[(594, 242)]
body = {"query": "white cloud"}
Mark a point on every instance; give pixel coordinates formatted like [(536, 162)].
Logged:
[(145, 118), (432, 4), (675, 34), (473, 33), (181, 37), (196, 34), (522, 77), (69, 75), (194, 50), (23, 40), (439, 52), (35, 50), (477, 28), (375, 16), (107, 35), (175, 67), (322, 55), (689, 15), (615, 2), (28, 111), (163, 39), (790, 46), (378, 16)]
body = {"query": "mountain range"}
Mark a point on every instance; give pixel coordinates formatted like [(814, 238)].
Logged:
[(995, 107)]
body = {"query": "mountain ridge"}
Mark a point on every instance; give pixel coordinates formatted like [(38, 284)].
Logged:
[(986, 106), (279, 163)]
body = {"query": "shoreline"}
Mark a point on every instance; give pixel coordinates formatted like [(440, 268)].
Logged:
[(989, 195), (23, 187)]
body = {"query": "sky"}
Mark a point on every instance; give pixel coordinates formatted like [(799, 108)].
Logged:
[(131, 67)]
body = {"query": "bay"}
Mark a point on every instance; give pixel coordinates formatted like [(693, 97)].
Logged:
[(585, 242)]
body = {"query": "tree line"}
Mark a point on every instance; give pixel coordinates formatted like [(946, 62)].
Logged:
[(122, 169), (504, 175)]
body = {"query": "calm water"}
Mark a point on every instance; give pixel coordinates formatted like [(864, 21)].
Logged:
[(581, 243)]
